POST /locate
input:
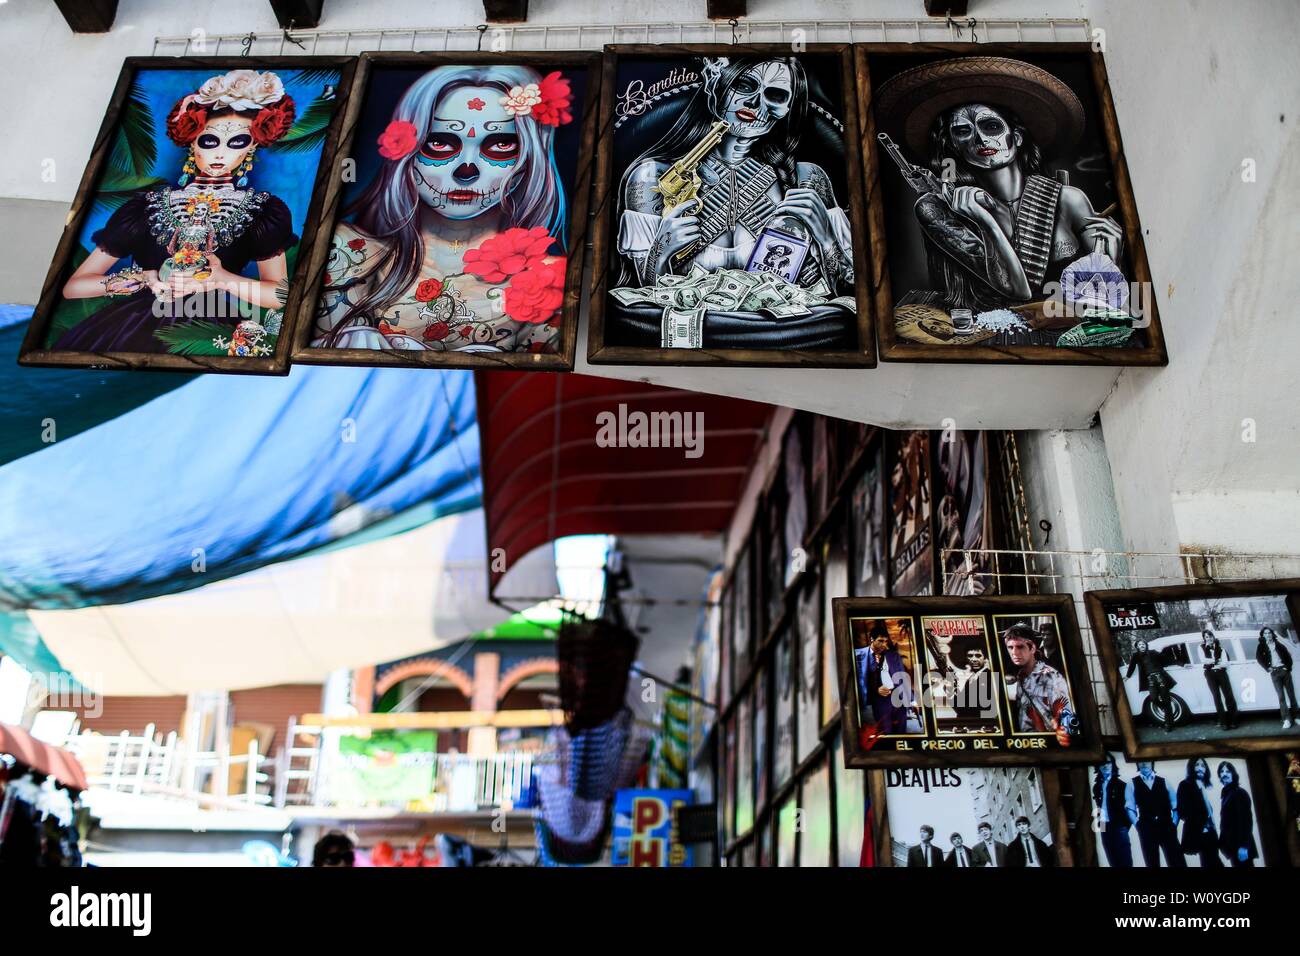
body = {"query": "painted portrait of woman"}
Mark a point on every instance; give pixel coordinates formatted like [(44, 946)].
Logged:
[(459, 240), (189, 241)]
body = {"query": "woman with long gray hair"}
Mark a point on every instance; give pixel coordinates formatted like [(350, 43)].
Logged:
[(458, 242)]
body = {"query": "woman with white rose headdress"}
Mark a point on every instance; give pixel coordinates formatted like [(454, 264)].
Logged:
[(189, 244)]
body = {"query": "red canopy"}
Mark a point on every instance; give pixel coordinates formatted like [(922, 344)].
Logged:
[(51, 761), (549, 471)]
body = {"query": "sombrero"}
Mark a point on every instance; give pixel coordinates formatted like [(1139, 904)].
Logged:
[(907, 104)]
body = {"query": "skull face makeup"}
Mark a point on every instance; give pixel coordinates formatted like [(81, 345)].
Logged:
[(465, 164), (223, 145), (982, 137), (758, 99)]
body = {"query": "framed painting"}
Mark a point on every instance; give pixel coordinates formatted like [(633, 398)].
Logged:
[(1003, 222), (807, 631), (744, 626), (911, 522), (854, 823), (815, 849), (1199, 812), (1201, 668), (730, 227), (835, 584), (867, 527), (762, 739), (1284, 768), (745, 764), (783, 709), (963, 512), (457, 242), (952, 681), (183, 249), (970, 818)]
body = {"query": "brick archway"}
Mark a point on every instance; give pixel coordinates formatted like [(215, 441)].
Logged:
[(524, 670), (425, 667)]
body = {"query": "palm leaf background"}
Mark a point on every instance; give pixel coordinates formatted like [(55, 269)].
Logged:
[(131, 161), (193, 338), (308, 130)]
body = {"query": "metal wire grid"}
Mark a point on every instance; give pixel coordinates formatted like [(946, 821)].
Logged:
[(575, 36), (1073, 572)]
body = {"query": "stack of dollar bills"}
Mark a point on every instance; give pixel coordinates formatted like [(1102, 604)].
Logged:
[(686, 299)]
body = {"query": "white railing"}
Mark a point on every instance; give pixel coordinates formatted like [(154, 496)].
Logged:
[(152, 764)]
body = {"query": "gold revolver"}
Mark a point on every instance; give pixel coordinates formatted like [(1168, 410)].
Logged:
[(680, 181)]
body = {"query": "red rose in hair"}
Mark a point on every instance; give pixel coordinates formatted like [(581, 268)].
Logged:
[(428, 290), (273, 122), (536, 295), (507, 253), (185, 123), (398, 140), (557, 96)]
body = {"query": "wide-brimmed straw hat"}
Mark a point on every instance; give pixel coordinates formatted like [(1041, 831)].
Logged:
[(907, 104)]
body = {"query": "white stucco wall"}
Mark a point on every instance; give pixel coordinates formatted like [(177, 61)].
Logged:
[(1199, 87)]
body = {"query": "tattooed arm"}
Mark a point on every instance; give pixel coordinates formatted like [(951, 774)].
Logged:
[(353, 260), (813, 203), (649, 235), (974, 241)]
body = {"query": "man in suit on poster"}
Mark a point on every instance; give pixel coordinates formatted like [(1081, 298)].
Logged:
[(925, 853), (1027, 850), (960, 856), (1157, 822), (988, 851)]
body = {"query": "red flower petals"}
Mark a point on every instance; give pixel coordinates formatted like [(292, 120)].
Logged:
[(507, 253), (535, 295), (557, 97), (397, 140), (428, 290)]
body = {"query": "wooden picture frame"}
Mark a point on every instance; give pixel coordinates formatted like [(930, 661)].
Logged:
[(588, 63), (892, 347), (976, 623), (125, 104), (1284, 775), (601, 348), (1141, 744), (1049, 783), (1261, 783)]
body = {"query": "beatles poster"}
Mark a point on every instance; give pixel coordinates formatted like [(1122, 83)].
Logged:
[(457, 239), (1198, 812), (911, 539), (958, 680), (1197, 664), (730, 179), (1009, 227), (184, 246), (969, 818)]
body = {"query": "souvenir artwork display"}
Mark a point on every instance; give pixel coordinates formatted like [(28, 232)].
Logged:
[(1195, 665), (815, 801), (964, 517), (457, 240), (731, 229), (762, 740), (1003, 220), (868, 528), (963, 681), (783, 711), (835, 583), (807, 630), (182, 247)]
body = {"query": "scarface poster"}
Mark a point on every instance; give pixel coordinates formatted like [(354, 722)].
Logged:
[(1006, 221), (730, 231)]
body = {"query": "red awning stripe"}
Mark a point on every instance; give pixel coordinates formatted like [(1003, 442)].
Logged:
[(51, 761)]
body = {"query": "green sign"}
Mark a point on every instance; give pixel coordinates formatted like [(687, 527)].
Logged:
[(388, 766)]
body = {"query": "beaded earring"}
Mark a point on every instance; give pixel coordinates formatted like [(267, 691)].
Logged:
[(188, 169), (244, 168)]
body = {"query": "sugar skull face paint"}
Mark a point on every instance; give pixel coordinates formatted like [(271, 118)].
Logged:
[(982, 136), (758, 99), (465, 164), (223, 145)]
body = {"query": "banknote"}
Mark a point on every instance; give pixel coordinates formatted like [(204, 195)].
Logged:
[(682, 328)]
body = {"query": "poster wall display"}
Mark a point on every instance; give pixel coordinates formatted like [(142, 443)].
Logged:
[(911, 532), (731, 232), (728, 764), (835, 583), (762, 739), (794, 469), (867, 508), (183, 249), (854, 842), (783, 711), (1198, 812), (970, 818), (743, 598), (1197, 666), (963, 681), (963, 512), (457, 241), (643, 831), (787, 832), (815, 801), (1003, 222), (745, 765), (775, 561), (807, 655)]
